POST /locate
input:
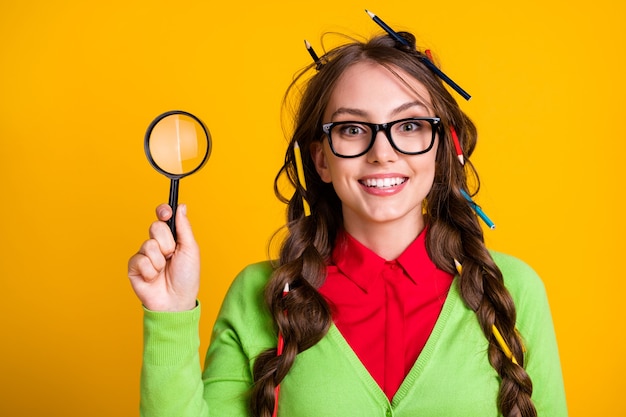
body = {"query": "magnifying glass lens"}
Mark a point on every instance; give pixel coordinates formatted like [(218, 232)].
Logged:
[(178, 144)]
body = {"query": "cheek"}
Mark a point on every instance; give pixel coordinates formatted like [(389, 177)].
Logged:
[(430, 161), (336, 169), (435, 165), (428, 171)]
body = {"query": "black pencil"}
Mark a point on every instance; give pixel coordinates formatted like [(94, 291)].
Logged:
[(423, 59)]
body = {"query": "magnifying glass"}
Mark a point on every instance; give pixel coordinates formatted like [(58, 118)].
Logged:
[(177, 144)]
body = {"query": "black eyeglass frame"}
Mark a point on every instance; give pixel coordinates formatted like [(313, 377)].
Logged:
[(386, 128)]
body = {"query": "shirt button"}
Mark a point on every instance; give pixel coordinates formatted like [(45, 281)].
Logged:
[(388, 413)]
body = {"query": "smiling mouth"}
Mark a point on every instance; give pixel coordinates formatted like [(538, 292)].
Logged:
[(383, 182)]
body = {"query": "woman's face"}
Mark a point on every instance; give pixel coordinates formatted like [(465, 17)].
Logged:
[(383, 186)]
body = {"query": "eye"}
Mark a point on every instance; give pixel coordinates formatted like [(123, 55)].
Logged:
[(352, 130), (409, 126)]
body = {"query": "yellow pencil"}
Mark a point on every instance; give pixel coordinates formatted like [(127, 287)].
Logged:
[(503, 345), (459, 267), (300, 169)]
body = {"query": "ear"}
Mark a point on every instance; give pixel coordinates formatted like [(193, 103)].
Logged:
[(319, 159)]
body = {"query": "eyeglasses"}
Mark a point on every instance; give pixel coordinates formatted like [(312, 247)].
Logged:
[(412, 136)]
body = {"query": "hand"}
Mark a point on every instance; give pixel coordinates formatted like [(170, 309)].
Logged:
[(165, 274)]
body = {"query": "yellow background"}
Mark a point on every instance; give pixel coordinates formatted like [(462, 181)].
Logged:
[(81, 81)]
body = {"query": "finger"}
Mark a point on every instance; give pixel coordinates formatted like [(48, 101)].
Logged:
[(152, 250), (184, 233), (141, 268), (163, 212), (161, 233)]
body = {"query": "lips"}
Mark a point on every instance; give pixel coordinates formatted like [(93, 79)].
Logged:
[(382, 183)]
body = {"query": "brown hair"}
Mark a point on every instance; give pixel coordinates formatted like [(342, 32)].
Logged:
[(453, 232)]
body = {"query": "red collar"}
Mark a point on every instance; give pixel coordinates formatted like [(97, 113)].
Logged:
[(361, 265)]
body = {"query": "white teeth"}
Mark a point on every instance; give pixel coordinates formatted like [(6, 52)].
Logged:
[(383, 182)]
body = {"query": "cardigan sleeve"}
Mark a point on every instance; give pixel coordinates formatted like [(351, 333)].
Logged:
[(172, 383), (534, 322)]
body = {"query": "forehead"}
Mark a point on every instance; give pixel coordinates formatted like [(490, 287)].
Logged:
[(368, 83)]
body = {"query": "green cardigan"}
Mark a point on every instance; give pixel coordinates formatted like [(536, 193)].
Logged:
[(452, 376)]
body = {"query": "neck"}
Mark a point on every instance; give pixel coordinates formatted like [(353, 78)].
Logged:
[(387, 240)]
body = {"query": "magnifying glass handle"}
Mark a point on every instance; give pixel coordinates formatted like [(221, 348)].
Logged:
[(174, 205)]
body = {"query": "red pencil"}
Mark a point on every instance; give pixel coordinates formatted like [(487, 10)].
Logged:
[(457, 145), (279, 351)]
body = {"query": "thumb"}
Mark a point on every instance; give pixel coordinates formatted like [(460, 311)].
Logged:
[(184, 233)]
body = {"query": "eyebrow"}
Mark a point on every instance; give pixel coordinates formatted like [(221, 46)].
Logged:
[(363, 113)]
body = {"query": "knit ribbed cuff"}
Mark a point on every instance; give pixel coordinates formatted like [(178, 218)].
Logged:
[(170, 338)]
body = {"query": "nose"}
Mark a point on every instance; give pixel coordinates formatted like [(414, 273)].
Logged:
[(381, 151)]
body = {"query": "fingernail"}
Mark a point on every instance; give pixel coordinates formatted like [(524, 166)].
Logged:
[(183, 208)]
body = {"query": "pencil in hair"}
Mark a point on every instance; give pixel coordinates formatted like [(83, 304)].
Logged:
[(311, 51), (301, 179), (478, 210)]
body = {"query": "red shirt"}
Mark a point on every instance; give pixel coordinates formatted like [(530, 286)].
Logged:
[(385, 310)]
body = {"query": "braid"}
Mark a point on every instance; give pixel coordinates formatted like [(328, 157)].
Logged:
[(454, 233), (302, 265), (307, 319)]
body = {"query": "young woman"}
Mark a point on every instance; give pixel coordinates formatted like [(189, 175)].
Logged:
[(385, 297)]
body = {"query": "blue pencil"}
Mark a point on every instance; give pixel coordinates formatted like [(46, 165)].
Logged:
[(478, 210)]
